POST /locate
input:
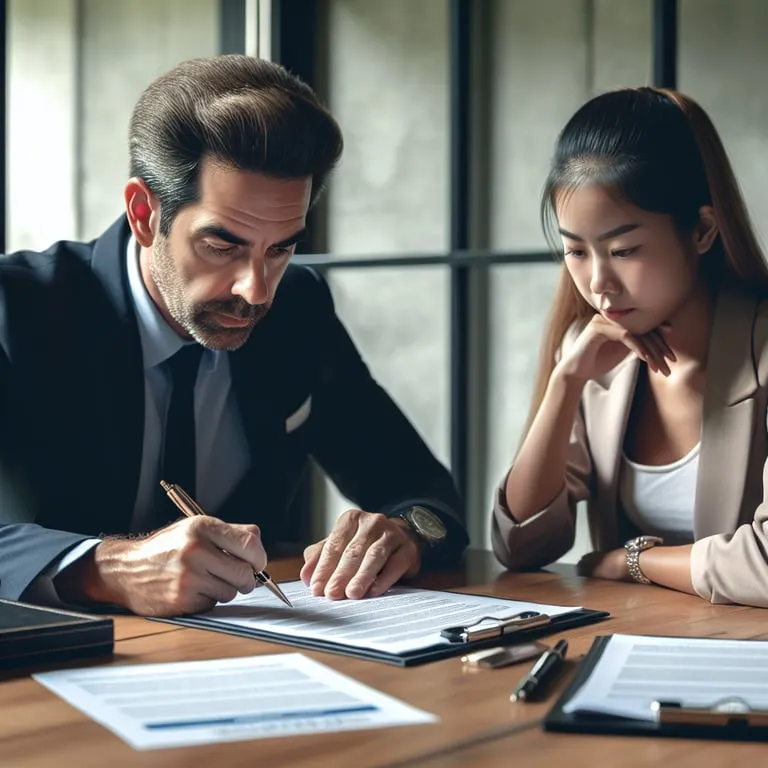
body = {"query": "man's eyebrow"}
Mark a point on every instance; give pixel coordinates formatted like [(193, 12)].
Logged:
[(213, 230), (293, 239), (615, 232)]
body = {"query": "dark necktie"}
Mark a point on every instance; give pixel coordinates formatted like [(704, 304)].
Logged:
[(178, 462)]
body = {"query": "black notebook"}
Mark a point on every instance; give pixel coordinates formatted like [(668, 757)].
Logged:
[(682, 687), (31, 634), (404, 627)]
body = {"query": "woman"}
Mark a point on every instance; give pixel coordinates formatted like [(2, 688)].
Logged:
[(652, 396)]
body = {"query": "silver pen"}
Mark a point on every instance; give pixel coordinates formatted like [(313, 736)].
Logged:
[(191, 508)]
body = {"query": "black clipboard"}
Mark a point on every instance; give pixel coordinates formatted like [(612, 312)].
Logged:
[(575, 618), (33, 634), (695, 723)]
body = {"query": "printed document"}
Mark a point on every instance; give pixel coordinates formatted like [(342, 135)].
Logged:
[(205, 702), (635, 671), (402, 619)]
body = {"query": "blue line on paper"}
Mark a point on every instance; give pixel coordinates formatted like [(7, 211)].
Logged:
[(249, 719)]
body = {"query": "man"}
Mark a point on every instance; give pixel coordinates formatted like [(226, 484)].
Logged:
[(182, 345)]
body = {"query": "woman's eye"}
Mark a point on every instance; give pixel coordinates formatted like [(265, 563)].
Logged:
[(574, 253), (622, 253)]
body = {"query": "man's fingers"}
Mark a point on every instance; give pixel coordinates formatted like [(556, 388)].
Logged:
[(357, 552), (384, 563), (333, 548), (200, 556), (372, 543), (401, 562), (311, 558), (360, 563), (216, 589), (241, 541)]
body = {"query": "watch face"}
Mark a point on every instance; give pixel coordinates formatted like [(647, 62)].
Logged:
[(428, 524)]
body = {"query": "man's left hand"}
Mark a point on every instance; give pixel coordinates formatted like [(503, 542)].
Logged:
[(364, 555), (605, 565)]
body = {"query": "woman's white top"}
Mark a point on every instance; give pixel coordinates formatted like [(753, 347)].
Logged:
[(660, 501)]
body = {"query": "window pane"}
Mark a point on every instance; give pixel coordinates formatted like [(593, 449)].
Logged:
[(549, 57), (388, 87), (76, 69), (722, 63), (151, 36), (40, 199), (399, 321)]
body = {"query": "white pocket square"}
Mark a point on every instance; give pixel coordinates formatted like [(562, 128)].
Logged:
[(295, 420)]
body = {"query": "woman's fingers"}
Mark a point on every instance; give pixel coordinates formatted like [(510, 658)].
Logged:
[(657, 352), (641, 349)]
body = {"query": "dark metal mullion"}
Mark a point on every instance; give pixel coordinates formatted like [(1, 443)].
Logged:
[(3, 118), (665, 15), (460, 217), (460, 259)]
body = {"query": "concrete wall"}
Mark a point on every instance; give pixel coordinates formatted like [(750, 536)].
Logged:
[(151, 37), (41, 187), (723, 66), (76, 70)]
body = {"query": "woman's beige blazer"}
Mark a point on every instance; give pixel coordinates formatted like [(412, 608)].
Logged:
[(729, 559)]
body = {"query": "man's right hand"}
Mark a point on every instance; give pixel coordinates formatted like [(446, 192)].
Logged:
[(186, 567)]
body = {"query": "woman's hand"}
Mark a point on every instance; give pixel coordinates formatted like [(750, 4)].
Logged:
[(605, 565), (603, 344)]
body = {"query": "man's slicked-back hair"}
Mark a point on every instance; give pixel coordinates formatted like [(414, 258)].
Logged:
[(243, 112)]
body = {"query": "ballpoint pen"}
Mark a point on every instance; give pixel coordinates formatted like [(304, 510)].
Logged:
[(191, 508), (543, 669)]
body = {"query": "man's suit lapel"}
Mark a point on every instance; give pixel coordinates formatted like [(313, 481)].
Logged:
[(728, 418), (121, 393)]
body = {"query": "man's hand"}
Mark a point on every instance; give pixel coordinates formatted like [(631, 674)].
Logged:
[(184, 568), (605, 565), (365, 554)]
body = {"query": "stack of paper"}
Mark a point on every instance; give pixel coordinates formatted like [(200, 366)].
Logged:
[(634, 671)]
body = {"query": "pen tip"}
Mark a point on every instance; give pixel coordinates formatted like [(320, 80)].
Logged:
[(166, 486)]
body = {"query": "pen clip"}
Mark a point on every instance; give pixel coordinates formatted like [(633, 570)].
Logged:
[(482, 630), (730, 712)]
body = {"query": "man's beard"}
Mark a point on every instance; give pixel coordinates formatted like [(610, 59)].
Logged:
[(199, 320)]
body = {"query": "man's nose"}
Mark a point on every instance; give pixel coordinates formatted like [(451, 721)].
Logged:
[(251, 284)]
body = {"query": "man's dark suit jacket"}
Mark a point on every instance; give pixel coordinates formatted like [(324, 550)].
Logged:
[(72, 410)]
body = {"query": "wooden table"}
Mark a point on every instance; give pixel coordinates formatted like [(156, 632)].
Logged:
[(478, 725)]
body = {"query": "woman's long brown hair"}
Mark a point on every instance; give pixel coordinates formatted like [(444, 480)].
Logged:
[(635, 142)]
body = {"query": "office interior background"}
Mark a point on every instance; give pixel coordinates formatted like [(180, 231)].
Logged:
[(429, 232)]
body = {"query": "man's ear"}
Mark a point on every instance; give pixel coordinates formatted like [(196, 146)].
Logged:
[(143, 211), (705, 232)]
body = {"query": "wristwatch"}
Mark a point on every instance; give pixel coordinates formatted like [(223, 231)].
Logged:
[(634, 547), (426, 525)]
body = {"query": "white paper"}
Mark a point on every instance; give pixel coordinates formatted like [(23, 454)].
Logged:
[(205, 702), (635, 671), (402, 619)]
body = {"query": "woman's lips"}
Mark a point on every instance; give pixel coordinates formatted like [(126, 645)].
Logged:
[(616, 314)]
